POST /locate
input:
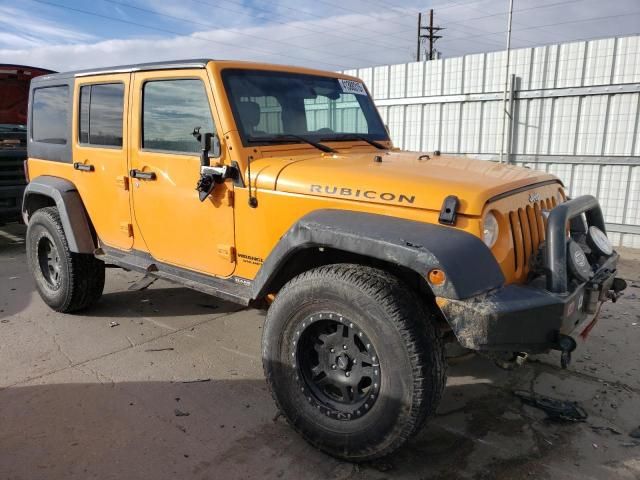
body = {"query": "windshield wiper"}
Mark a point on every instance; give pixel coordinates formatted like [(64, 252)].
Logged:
[(288, 137), (355, 136)]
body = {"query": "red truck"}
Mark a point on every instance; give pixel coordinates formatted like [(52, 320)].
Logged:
[(14, 99)]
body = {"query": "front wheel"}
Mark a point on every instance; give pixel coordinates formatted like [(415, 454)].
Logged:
[(353, 360)]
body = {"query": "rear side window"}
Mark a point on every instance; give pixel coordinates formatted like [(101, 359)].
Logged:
[(50, 115), (101, 113), (172, 109)]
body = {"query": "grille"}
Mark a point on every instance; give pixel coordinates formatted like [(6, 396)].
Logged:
[(528, 226), (12, 168)]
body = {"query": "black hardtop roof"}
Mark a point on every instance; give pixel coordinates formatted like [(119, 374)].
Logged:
[(136, 67)]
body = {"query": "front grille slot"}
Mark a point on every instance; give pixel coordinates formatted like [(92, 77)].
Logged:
[(528, 226)]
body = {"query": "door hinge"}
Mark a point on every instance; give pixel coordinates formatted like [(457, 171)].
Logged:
[(127, 228), (227, 252), (230, 198), (122, 182)]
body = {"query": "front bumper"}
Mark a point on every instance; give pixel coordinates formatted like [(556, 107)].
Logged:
[(533, 318)]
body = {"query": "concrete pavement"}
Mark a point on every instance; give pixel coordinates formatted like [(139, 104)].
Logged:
[(167, 383)]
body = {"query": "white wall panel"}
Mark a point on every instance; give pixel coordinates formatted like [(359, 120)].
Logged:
[(366, 75), (398, 80), (433, 77), (633, 202), (450, 127), (585, 180), (395, 122), (538, 67), (599, 62), (623, 114), (591, 122), (563, 172), (612, 200), (415, 79), (495, 72), (491, 127), (431, 127), (563, 132), (470, 128), (520, 65), (627, 68), (473, 73), (570, 64), (551, 66), (538, 126), (452, 83), (413, 128), (381, 82)]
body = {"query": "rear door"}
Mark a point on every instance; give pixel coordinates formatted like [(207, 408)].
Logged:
[(100, 155), (176, 227)]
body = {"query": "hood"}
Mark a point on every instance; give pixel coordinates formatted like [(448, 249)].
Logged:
[(406, 179), (14, 92)]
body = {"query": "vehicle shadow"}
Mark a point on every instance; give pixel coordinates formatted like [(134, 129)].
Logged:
[(226, 429), (163, 301)]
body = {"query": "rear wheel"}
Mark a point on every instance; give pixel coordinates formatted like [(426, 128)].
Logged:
[(66, 281), (353, 360)]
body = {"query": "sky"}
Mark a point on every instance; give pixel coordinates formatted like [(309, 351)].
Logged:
[(327, 34)]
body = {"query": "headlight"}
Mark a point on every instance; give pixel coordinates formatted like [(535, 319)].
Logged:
[(490, 230), (599, 242), (578, 263)]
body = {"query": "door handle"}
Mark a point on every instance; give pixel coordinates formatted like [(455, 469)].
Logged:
[(142, 175), (83, 167)]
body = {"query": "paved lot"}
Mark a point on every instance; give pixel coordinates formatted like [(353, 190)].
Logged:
[(82, 397)]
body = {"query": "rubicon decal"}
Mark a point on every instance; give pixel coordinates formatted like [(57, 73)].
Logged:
[(364, 194)]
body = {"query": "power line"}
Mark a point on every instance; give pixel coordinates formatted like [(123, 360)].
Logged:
[(194, 22), (173, 32), (350, 26)]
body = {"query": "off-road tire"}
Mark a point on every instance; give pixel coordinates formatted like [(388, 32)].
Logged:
[(79, 277), (392, 318)]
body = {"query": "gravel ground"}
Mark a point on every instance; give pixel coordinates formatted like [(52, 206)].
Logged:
[(167, 383)]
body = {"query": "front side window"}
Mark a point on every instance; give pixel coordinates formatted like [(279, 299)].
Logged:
[(273, 107), (50, 115), (172, 109), (101, 113)]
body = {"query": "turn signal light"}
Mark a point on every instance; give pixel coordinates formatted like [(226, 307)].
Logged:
[(437, 277)]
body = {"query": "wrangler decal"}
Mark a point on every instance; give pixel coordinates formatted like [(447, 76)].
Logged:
[(357, 193)]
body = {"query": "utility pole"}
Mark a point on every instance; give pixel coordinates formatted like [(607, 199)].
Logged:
[(430, 35), (506, 86)]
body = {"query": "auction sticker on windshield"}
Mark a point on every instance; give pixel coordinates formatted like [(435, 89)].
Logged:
[(349, 86)]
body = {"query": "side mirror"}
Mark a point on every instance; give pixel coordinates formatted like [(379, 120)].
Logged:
[(210, 144)]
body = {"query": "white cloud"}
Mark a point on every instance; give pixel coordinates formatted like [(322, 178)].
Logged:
[(320, 33), (20, 30)]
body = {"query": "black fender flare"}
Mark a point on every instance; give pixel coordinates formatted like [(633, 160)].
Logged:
[(66, 198), (469, 265)]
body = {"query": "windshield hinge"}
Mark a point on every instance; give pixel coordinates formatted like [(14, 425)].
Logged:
[(449, 210)]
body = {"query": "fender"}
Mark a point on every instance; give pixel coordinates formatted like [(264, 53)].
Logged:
[(69, 204), (470, 266)]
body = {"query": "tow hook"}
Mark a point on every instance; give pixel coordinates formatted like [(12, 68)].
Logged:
[(566, 345)]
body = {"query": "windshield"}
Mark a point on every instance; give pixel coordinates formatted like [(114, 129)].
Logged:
[(275, 107)]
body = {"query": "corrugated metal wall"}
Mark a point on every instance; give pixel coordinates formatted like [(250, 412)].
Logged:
[(576, 114)]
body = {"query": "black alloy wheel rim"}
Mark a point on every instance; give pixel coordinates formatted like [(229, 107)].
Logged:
[(50, 264), (336, 365)]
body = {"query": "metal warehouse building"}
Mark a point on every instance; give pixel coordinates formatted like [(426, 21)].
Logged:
[(575, 114)]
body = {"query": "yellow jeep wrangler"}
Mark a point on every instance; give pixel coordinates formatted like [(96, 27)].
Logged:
[(279, 187)]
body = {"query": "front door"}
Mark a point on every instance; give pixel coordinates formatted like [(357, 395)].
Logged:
[(175, 226), (100, 151)]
